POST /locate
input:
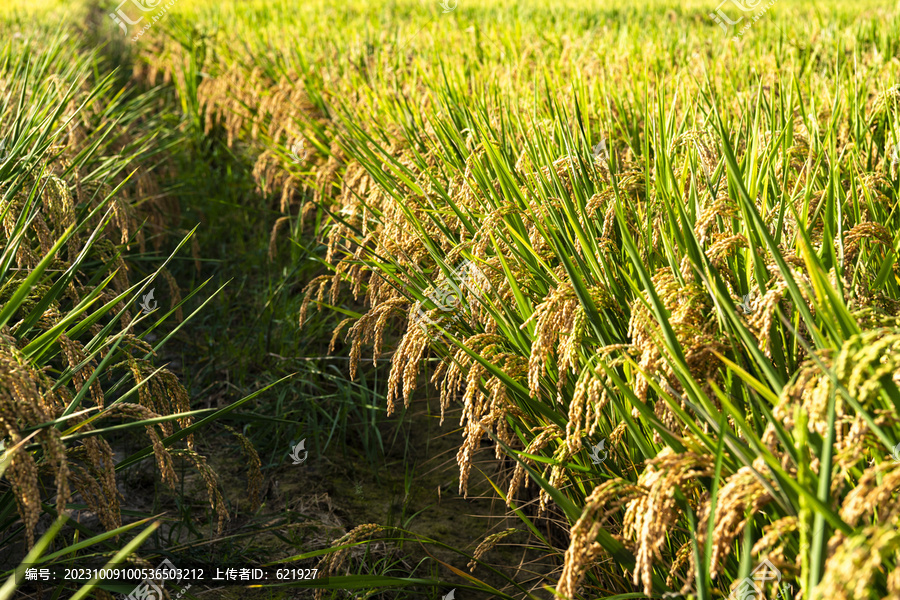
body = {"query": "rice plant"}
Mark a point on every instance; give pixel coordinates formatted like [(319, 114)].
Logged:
[(77, 363)]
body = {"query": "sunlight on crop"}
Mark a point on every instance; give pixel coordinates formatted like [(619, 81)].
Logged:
[(640, 262)]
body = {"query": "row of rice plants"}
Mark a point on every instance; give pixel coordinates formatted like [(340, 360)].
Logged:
[(77, 312), (678, 250)]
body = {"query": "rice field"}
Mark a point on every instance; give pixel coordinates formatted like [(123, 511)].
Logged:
[(606, 295)]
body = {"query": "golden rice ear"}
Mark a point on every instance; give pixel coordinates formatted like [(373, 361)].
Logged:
[(586, 407), (860, 364), (685, 555), (405, 364), (45, 237), (545, 436), (648, 519), (739, 500), (722, 206), (163, 393), (332, 562), (22, 474), (56, 457), (315, 287), (370, 327), (161, 453), (337, 332), (216, 501), (24, 401), (873, 497), (885, 102), (487, 544), (584, 550), (73, 350), (254, 474), (856, 562), (93, 493), (174, 294), (776, 536)]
